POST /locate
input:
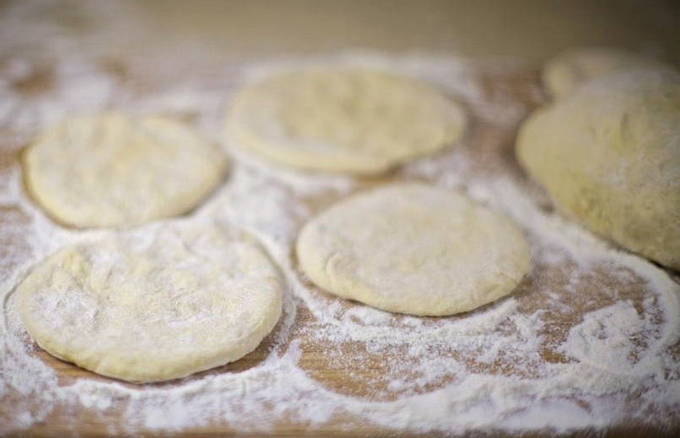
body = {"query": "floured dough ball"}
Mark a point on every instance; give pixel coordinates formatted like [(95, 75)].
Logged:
[(575, 67), (609, 156), (353, 121), (155, 304), (415, 249), (112, 170)]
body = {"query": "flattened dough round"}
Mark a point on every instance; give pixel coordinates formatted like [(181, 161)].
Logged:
[(566, 72), (149, 306), (609, 156), (353, 121), (412, 248), (112, 170)]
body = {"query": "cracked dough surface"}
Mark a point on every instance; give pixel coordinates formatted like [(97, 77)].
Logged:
[(113, 170), (354, 121), (145, 308), (609, 156), (416, 249)]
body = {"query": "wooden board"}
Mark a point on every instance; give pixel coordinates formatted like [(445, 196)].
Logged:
[(364, 377)]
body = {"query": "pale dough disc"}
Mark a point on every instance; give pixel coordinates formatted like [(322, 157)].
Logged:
[(113, 170), (566, 72), (353, 121), (416, 249), (609, 156), (153, 305)]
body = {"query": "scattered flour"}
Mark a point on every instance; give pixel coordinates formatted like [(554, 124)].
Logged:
[(547, 357)]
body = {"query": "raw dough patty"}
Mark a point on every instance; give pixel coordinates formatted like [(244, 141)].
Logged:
[(565, 73), (415, 249), (113, 170), (353, 121), (153, 304), (609, 156)]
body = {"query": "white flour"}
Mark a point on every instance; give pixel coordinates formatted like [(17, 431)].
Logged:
[(550, 356)]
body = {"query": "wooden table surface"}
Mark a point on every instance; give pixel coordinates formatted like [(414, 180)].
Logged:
[(493, 146), (363, 379)]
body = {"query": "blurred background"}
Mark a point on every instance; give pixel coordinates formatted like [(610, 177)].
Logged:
[(530, 30)]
